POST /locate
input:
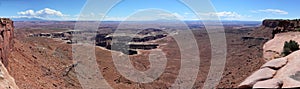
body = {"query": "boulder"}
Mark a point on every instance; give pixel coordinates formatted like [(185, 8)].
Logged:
[(259, 75), (271, 83), (275, 63)]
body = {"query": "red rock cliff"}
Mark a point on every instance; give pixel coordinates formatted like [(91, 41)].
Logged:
[(6, 36), (281, 23)]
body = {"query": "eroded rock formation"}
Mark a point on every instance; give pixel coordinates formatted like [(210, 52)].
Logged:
[(288, 24), (125, 44), (7, 34), (280, 25)]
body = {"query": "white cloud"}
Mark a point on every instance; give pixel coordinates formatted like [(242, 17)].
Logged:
[(149, 15), (48, 11), (224, 15), (274, 11), (28, 12), (140, 15), (44, 13), (228, 14)]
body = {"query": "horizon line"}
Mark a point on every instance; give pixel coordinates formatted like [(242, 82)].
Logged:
[(142, 20)]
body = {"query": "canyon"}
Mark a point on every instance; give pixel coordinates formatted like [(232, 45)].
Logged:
[(124, 44), (39, 54), (58, 69)]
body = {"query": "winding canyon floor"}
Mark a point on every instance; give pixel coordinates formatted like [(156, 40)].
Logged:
[(38, 62)]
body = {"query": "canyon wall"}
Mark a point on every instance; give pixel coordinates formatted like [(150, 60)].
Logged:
[(270, 27), (7, 34), (281, 23)]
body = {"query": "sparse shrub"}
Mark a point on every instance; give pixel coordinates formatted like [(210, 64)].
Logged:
[(290, 47), (298, 29)]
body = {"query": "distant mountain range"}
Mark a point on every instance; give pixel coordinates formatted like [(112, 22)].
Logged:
[(224, 22), (27, 19)]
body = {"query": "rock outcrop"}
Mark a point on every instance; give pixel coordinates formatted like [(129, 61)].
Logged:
[(281, 31), (280, 25), (7, 34), (261, 74), (6, 80), (287, 74), (273, 48), (286, 70), (271, 83), (275, 63), (264, 77), (287, 24)]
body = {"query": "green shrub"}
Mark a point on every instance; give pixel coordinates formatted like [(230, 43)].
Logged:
[(290, 47), (298, 29)]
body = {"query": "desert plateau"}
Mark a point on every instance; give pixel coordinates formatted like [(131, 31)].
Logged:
[(149, 45)]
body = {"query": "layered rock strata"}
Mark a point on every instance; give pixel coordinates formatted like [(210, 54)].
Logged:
[(7, 34), (6, 42)]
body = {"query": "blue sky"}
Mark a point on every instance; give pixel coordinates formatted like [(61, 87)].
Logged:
[(250, 10)]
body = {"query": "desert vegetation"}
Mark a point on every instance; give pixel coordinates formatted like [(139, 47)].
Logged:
[(290, 47)]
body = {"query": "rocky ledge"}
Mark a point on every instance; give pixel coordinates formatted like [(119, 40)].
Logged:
[(274, 47), (277, 73)]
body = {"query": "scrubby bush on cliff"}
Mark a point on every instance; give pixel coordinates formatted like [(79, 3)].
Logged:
[(290, 47)]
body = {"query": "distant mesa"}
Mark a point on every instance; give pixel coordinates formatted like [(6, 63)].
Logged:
[(281, 25), (125, 44)]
